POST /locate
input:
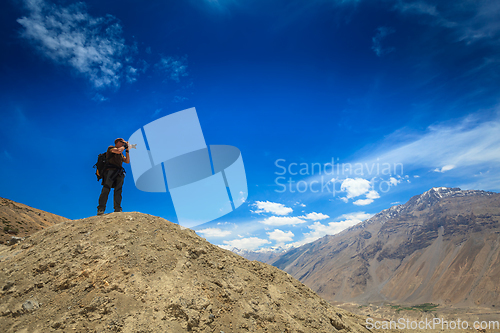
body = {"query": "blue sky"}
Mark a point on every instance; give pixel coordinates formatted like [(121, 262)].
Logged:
[(402, 95)]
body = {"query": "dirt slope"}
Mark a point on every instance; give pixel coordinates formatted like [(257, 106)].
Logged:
[(20, 220), (132, 272)]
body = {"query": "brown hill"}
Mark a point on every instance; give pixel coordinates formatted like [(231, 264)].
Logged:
[(20, 220), (132, 272), (442, 247)]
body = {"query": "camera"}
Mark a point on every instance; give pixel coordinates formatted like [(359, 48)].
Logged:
[(125, 145)]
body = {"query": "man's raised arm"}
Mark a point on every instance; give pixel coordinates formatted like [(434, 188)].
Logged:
[(126, 159), (118, 150)]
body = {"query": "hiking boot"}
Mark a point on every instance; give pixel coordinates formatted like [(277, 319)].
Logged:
[(119, 210), (100, 212)]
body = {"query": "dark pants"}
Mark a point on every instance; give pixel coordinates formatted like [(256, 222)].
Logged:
[(108, 182)]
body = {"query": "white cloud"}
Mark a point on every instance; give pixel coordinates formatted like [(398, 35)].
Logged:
[(393, 181), (363, 202), (250, 243), (382, 32), (272, 207), (280, 236), (282, 220), (355, 187), (214, 232), (315, 216), (372, 195), (174, 67), (93, 47)]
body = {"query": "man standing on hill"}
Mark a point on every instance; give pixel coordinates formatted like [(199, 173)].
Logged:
[(114, 175)]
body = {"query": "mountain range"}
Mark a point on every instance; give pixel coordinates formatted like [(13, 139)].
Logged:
[(442, 246)]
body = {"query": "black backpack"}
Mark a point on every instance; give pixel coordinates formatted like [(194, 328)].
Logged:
[(100, 166)]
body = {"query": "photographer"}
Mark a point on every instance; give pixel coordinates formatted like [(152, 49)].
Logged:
[(114, 175)]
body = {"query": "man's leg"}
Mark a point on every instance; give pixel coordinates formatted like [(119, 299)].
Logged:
[(107, 183), (117, 196), (103, 199)]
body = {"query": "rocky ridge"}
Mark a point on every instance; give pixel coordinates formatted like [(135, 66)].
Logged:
[(19, 220), (419, 203), (132, 272)]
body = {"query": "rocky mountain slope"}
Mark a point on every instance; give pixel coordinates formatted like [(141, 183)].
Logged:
[(442, 246), (20, 220), (132, 272)]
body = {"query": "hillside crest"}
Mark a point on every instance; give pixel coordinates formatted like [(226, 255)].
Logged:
[(133, 272)]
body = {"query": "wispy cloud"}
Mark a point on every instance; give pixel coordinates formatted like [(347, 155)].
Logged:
[(471, 20), (282, 220), (382, 32), (131, 74), (250, 243), (319, 230), (485, 24), (174, 67), (467, 143), (418, 7), (99, 98), (315, 216), (93, 47), (157, 112), (272, 207), (445, 168), (460, 148), (214, 232), (7, 156), (178, 99), (356, 216), (20, 117), (217, 6)]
